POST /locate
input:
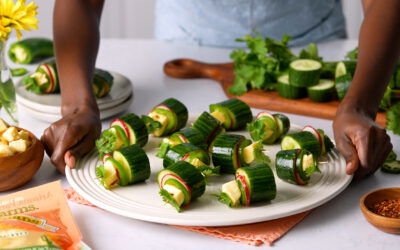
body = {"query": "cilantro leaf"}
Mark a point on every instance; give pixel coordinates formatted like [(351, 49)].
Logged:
[(167, 197), (311, 52), (107, 143)]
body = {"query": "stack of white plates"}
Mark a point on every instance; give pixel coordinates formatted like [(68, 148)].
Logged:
[(48, 107)]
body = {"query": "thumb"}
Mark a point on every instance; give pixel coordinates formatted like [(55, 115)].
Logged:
[(69, 159), (349, 152)]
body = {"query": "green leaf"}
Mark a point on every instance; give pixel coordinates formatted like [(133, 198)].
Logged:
[(393, 118), (259, 155), (209, 171), (107, 143), (256, 129), (100, 171), (31, 85), (164, 146), (311, 52), (352, 54), (18, 71), (224, 198), (150, 123), (167, 197)]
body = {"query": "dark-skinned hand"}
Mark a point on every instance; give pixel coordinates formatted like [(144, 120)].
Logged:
[(363, 143), (71, 137)]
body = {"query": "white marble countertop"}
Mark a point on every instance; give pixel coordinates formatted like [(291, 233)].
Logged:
[(338, 224)]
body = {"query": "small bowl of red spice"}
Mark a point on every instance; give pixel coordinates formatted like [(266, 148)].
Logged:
[(381, 208)]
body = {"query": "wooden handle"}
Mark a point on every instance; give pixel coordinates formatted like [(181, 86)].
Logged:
[(187, 68)]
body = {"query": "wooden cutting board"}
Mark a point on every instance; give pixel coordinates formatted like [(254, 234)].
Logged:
[(223, 73)]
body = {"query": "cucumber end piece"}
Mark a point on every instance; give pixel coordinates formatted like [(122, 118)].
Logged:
[(288, 143)]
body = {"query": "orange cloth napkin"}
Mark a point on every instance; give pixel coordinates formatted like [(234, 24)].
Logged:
[(254, 234)]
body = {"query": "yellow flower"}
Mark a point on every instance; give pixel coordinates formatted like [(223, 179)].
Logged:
[(18, 16)]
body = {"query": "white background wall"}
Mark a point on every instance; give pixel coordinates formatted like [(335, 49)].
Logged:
[(135, 18)]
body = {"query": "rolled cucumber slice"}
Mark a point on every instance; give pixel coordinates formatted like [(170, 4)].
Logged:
[(295, 166), (260, 182), (283, 123), (134, 128), (304, 72), (302, 140), (186, 152), (323, 91), (192, 182), (289, 91), (209, 126), (264, 128), (226, 152), (111, 139), (233, 113), (135, 162)]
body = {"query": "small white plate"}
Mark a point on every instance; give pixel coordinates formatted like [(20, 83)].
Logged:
[(142, 201), (51, 103), (104, 114)]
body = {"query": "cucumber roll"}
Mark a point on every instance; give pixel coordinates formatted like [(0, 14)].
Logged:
[(304, 72), (209, 126), (180, 184), (102, 82), (127, 166), (295, 166), (289, 91), (342, 85), (302, 140), (324, 141), (171, 114), (31, 50), (323, 91), (268, 128), (44, 80), (186, 135), (253, 184), (196, 156), (230, 152), (124, 131), (345, 67), (233, 113)]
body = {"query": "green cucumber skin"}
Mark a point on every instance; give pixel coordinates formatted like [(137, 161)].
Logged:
[(180, 111), (303, 78), (284, 165), (123, 178), (285, 122), (262, 182), (209, 126), (328, 70), (190, 175), (306, 140), (138, 127), (290, 92), (36, 48), (299, 165), (239, 112), (321, 95), (103, 81), (328, 144), (176, 153), (138, 162), (342, 85), (224, 151), (192, 136)]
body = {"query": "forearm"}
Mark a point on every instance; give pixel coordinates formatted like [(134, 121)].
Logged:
[(76, 36), (379, 47)]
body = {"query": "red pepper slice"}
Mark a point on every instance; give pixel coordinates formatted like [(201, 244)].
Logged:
[(163, 180), (245, 187), (122, 124)]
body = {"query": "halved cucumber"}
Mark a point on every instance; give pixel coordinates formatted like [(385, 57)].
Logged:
[(232, 113), (191, 179), (226, 152), (260, 182), (289, 91), (345, 67), (304, 72), (135, 162), (264, 128), (323, 91), (209, 126), (134, 128), (302, 140), (186, 152), (295, 166)]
